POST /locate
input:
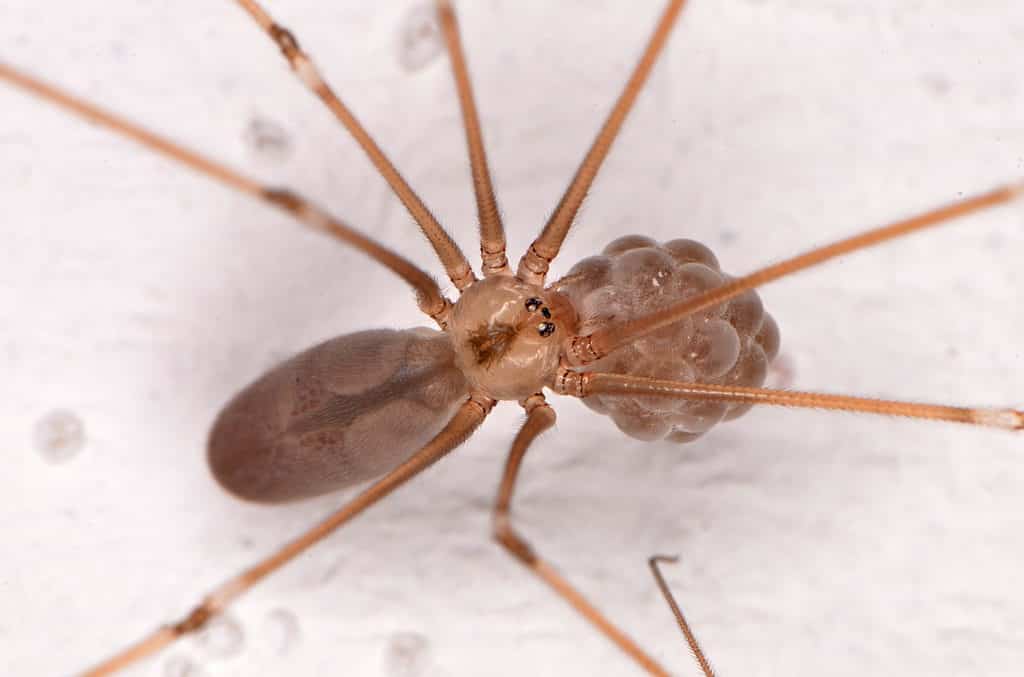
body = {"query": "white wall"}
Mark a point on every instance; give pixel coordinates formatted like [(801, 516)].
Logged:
[(140, 297)]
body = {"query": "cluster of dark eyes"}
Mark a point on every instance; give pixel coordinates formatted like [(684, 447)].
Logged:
[(545, 329)]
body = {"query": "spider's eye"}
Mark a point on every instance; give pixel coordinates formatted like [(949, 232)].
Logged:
[(546, 328), (533, 304)]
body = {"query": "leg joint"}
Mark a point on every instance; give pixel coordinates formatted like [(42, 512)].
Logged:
[(504, 534), (285, 40), (196, 619)]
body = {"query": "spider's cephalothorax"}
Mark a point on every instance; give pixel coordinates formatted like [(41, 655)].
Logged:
[(729, 344), (507, 335)]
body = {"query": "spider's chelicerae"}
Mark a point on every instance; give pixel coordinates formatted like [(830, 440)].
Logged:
[(141, 297)]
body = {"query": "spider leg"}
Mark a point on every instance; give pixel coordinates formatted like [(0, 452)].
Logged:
[(458, 430), (540, 417), (454, 261)]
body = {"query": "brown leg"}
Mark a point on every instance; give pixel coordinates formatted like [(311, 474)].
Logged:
[(428, 294), (583, 384), (457, 431), (454, 261), (691, 639), (540, 417), (492, 233), (533, 266)]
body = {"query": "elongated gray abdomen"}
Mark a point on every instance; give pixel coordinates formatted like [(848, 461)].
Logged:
[(344, 411)]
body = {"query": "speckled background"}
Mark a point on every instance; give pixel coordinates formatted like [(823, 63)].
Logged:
[(140, 297)]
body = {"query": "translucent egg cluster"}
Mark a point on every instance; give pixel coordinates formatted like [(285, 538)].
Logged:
[(728, 344)]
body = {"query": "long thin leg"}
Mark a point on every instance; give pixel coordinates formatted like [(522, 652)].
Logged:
[(539, 418), (454, 261), (586, 349), (583, 384), (533, 266), (691, 639), (458, 430), (492, 233), (428, 294)]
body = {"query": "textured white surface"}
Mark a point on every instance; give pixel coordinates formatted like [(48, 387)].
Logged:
[(141, 297)]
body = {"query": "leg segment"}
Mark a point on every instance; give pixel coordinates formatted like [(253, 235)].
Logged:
[(455, 263), (540, 417), (582, 384), (458, 430), (492, 232), (428, 294), (533, 266), (691, 639)]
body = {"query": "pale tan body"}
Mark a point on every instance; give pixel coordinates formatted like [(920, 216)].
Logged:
[(518, 374)]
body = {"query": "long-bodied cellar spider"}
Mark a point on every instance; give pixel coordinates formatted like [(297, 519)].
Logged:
[(142, 297)]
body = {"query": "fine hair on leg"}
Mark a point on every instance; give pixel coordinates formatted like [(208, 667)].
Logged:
[(691, 639)]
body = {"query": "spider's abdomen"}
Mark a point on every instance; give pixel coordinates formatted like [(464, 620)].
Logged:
[(730, 344), (344, 411)]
